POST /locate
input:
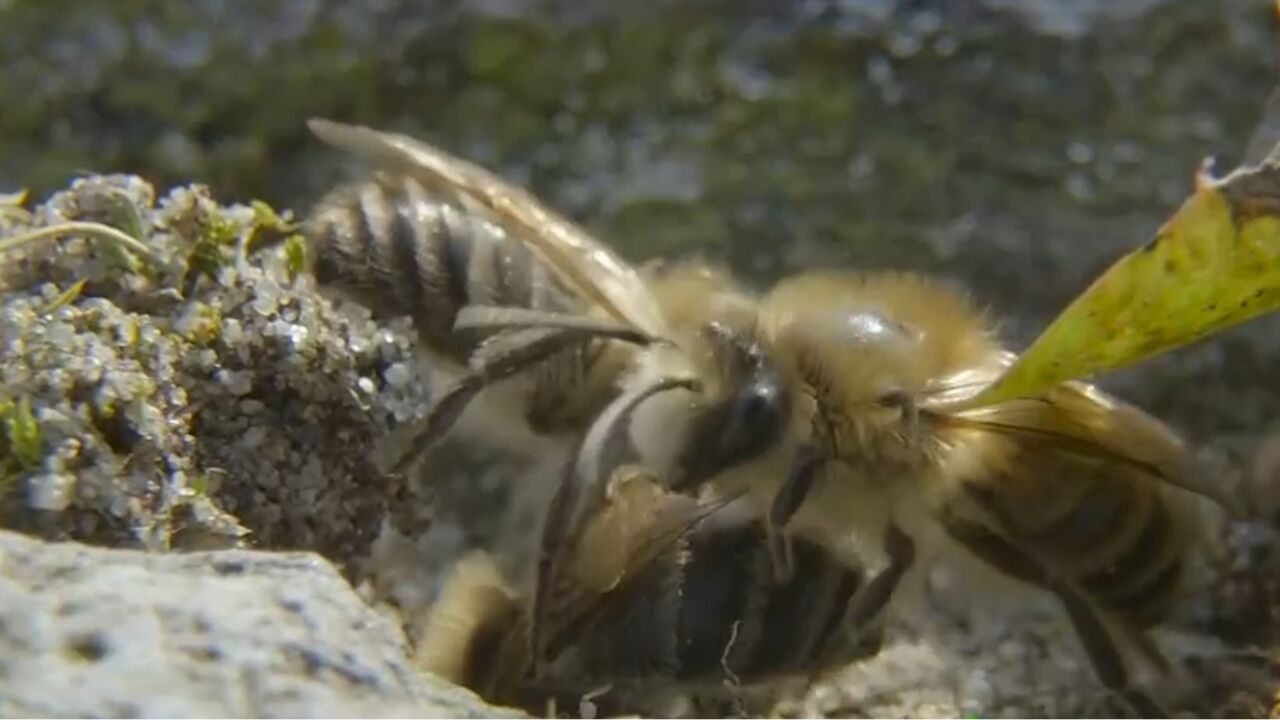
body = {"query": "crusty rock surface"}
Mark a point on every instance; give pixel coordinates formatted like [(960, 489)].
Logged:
[(208, 398), (87, 631)]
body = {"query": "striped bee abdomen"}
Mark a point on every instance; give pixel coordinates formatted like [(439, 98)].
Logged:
[(710, 608), (737, 619), (400, 250), (1113, 529)]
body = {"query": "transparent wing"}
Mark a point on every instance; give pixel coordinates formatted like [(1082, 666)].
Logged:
[(590, 269), (637, 525), (1265, 141), (1077, 418)]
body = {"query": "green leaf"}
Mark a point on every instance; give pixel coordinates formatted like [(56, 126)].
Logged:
[(22, 432), (1214, 264), (295, 255), (265, 216)]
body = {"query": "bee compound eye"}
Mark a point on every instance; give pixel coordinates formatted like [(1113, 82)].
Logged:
[(904, 403), (756, 408), (735, 431)]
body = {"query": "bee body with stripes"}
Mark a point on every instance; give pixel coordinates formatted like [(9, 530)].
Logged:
[(668, 601), (401, 249)]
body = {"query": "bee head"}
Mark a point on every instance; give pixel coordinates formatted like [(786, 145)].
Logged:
[(859, 374), (865, 351), (858, 378)]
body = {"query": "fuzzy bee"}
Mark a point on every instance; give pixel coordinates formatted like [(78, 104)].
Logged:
[(517, 305), (1071, 491), (515, 294), (831, 405)]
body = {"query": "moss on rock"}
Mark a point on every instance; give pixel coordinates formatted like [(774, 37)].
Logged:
[(210, 398)]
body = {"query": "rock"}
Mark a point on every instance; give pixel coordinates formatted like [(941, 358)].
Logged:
[(210, 399), (86, 631)]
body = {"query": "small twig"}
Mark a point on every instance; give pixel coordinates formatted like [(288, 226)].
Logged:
[(732, 682), (66, 297), (728, 649), (90, 229)]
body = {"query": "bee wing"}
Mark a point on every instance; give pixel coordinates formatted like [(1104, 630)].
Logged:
[(1265, 143), (1078, 510), (956, 389), (639, 521), (637, 525), (582, 494), (488, 318), (1080, 419), (588, 267)]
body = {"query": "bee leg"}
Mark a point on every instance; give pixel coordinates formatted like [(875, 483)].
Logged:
[(865, 607), (493, 318), (781, 554), (1104, 654), (583, 488), (501, 357), (870, 600), (795, 489)]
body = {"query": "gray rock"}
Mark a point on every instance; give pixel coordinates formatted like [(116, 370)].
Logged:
[(86, 631)]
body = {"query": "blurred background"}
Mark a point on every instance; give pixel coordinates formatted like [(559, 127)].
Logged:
[(1017, 146)]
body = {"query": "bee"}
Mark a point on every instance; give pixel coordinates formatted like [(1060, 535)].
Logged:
[(859, 435), (832, 404), (1070, 491), (407, 244), (525, 307), (667, 597), (500, 284)]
